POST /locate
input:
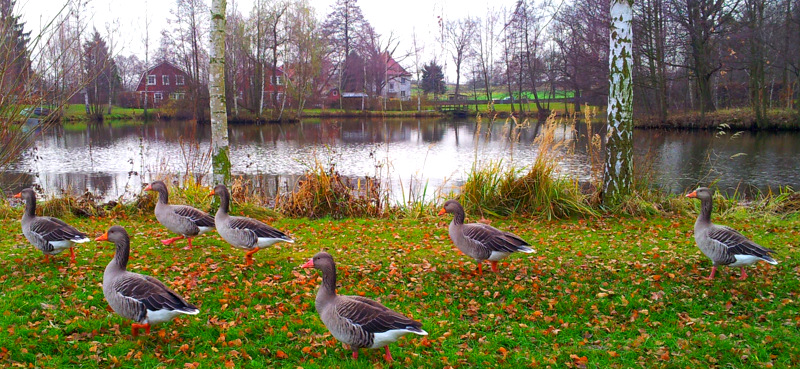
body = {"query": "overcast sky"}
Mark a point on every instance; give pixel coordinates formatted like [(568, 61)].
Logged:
[(403, 18)]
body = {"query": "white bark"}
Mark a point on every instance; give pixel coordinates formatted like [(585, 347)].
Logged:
[(618, 176), (216, 92)]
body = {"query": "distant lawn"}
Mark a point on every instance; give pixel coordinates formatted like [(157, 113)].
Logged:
[(78, 111), (612, 292)]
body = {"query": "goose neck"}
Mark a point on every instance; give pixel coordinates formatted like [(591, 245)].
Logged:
[(30, 207), (122, 253), (328, 281), (163, 196), (706, 205)]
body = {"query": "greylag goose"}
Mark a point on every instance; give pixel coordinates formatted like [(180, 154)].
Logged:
[(184, 220), (481, 241), (355, 320), (140, 298), (241, 232), (50, 235), (724, 245)]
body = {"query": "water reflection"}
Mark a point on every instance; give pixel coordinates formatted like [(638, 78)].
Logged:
[(409, 155)]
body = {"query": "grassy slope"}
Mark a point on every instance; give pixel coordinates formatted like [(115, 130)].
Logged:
[(613, 292)]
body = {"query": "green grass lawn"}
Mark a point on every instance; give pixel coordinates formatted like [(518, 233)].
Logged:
[(611, 292)]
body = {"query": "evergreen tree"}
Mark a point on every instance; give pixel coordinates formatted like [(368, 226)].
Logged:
[(101, 73), (433, 79), (15, 63)]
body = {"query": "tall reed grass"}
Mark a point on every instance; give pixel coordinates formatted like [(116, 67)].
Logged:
[(495, 188), (324, 192)]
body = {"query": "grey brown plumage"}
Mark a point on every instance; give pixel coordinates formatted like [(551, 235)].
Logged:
[(724, 245), (140, 298), (357, 321), (481, 241), (49, 235), (242, 232), (184, 220)]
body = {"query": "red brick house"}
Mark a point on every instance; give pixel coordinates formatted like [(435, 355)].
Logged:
[(274, 85), (163, 82)]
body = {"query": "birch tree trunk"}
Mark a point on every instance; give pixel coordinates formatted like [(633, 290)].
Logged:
[(220, 161), (618, 176)]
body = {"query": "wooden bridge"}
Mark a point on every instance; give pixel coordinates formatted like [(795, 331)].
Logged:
[(454, 108)]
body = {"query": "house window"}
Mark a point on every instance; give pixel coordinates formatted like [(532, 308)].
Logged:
[(276, 80), (335, 92), (151, 79), (402, 94), (177, 96), (165, 80), (279, 96), (403, 80), (391, 86), (158, 96), (179, 80)]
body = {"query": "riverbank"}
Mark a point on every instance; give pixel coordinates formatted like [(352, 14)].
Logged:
[(76, 113), (600, 291), (734, 119)]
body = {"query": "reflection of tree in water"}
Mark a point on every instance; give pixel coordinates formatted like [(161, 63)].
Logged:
[(428, 148)]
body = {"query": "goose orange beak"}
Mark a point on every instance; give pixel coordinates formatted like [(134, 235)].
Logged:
[(148, 188), (18, 196), (308, 264), (692, 194), (442, 212), (103, 237)]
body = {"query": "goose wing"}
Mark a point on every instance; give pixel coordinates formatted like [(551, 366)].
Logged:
[(54, 230), (150, 294), (493, 238), (198, 217), (371, 316), (259, 229), (736, 243)]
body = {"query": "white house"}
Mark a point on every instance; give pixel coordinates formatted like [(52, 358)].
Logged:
[(398, 81)]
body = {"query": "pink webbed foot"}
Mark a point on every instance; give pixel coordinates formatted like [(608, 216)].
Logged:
[(171, 240), (743, 276)]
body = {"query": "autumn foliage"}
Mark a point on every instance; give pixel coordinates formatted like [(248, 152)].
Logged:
[(613, 292)]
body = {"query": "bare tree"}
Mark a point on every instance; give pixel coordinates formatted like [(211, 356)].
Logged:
[(307, 57), (416, 51), (343, 25), (189, 27), (529, 27), (220, 160), (704, 24), (618, 176), (460, 36), (486, 44)]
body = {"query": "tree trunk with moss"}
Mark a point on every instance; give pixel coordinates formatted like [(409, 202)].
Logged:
[(618, 175), (220, 161)]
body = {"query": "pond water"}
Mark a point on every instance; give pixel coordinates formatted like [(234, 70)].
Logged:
[(411, 156)]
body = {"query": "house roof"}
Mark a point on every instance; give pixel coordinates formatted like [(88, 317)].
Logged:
[(144, 75), (393, 68)]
